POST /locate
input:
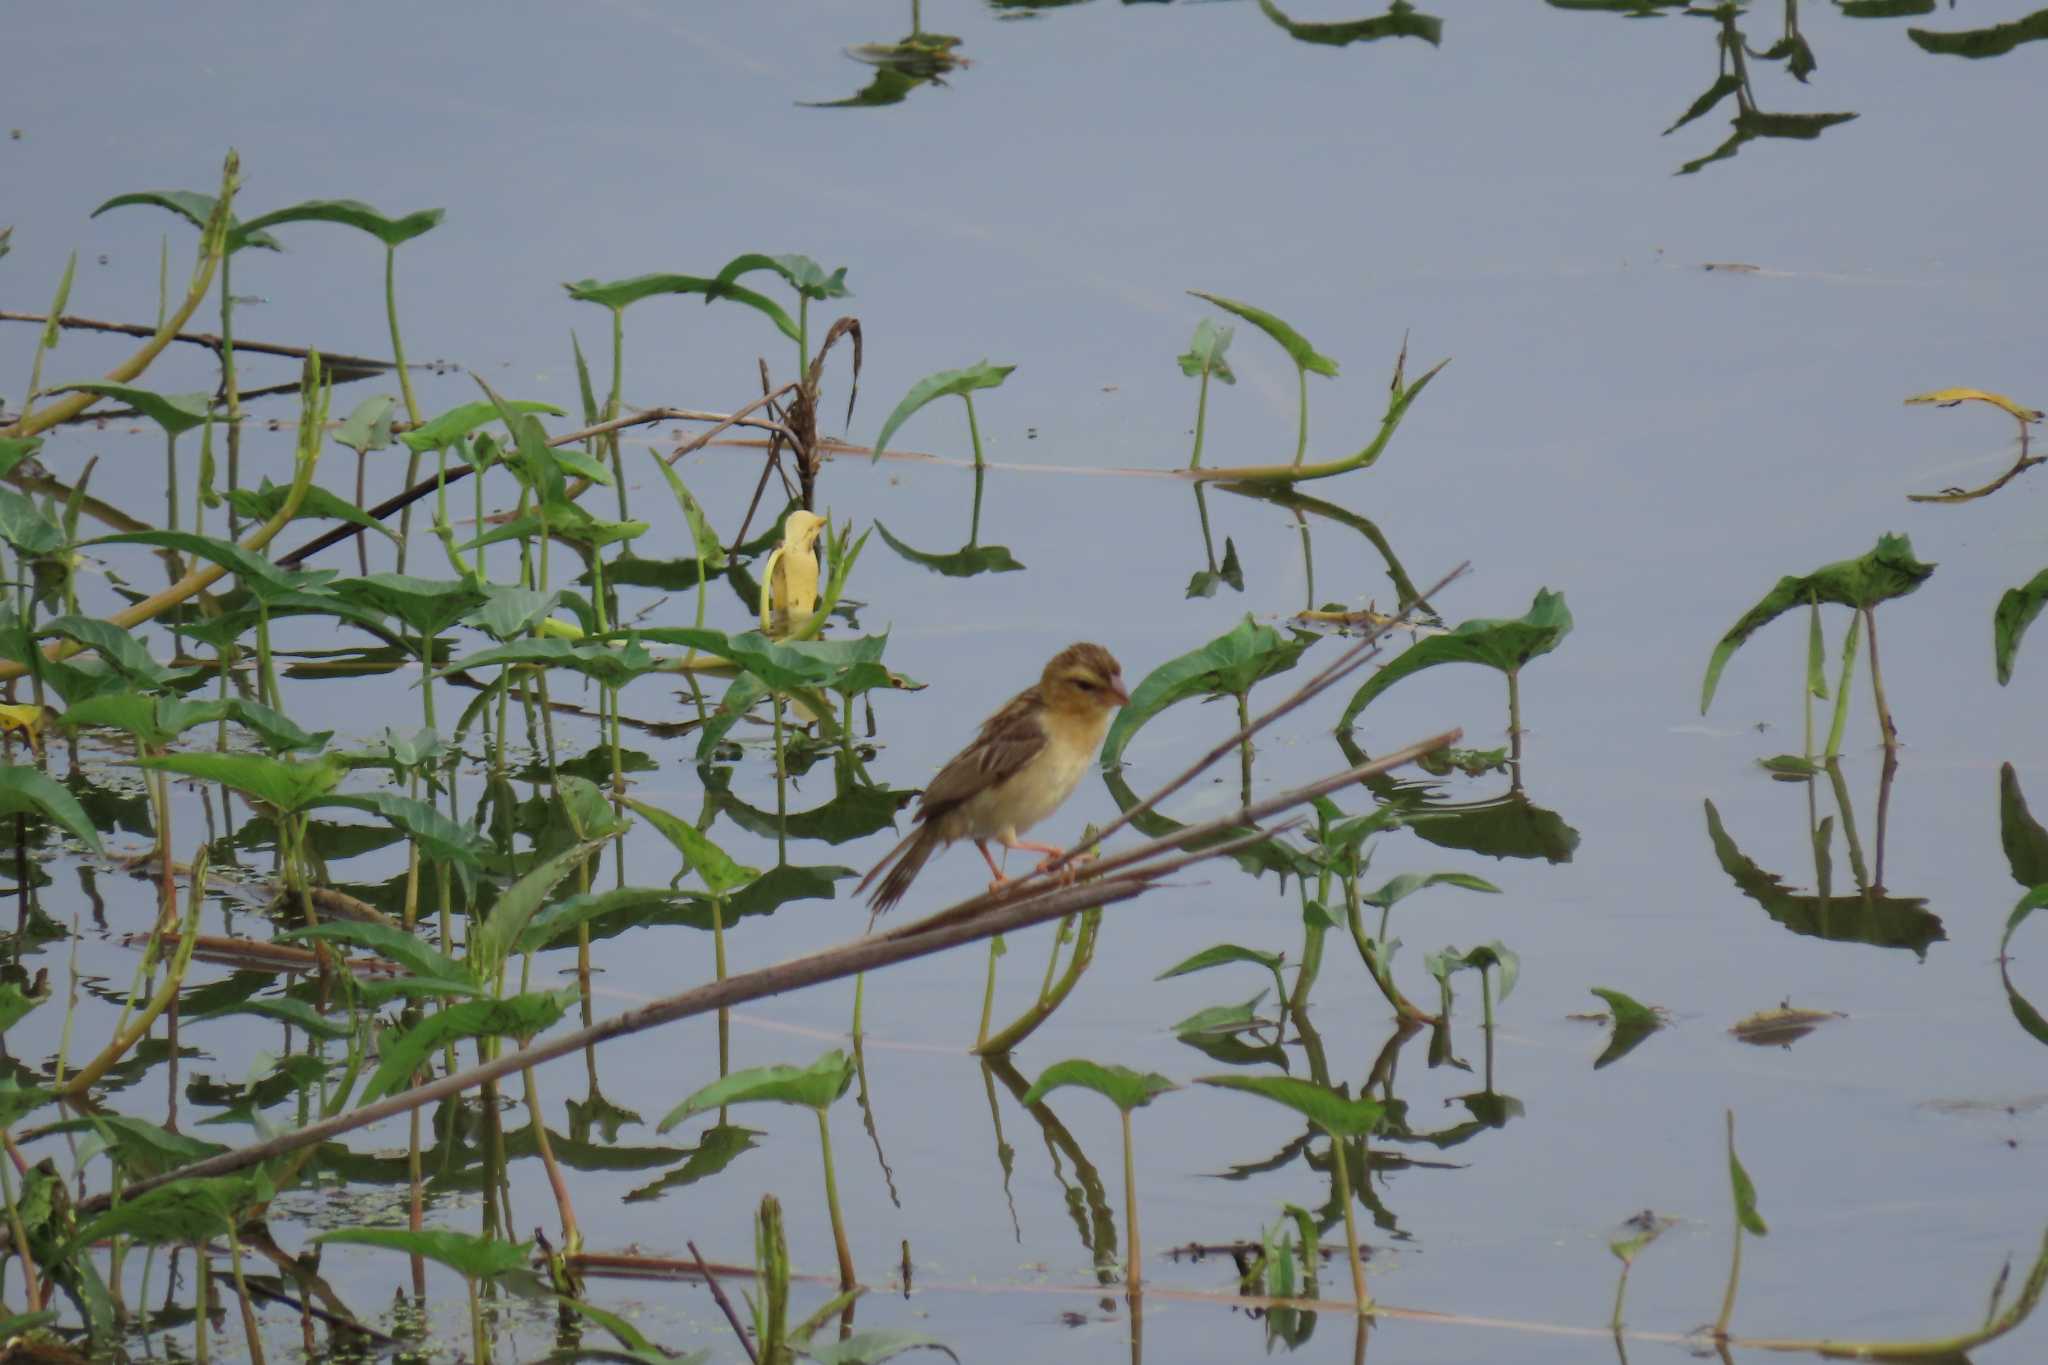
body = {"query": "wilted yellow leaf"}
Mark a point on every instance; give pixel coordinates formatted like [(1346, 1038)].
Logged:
[(791, 575), (27, 718), (1948, 398)]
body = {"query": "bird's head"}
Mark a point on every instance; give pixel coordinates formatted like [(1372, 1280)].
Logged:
[(1084, 679)]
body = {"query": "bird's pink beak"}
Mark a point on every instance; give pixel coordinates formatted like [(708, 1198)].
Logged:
[(1116, 689)]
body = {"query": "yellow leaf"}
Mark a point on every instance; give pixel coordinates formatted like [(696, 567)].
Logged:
[(1948, 398), (27, 718), (791, 574), (557, 628)]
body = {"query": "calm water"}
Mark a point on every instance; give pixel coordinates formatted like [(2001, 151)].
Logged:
[(1657, 440)]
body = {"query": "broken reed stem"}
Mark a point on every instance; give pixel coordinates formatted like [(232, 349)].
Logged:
[(724, 1303), (946, 929), (209, 340), (721, 421)]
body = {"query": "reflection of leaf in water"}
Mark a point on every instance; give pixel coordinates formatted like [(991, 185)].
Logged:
[(2025, 842), (900, 68), (1879, 920), (1976, 43), (1781, 1027), (718, 1147), (1633, 1022), (965, 562), (1508, 826), (1400, 21)]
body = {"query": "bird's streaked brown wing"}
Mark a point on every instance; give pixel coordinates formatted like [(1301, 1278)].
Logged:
[(1008, 740)]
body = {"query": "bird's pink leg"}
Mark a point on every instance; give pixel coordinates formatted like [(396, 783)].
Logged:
[(994, 871), (1052, 854)]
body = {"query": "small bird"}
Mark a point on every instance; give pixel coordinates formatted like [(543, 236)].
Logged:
[(1026, 761)]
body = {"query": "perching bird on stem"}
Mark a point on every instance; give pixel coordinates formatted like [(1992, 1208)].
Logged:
[(1026, 761)]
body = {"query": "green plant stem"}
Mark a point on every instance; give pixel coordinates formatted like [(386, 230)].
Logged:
[(1363, 1299), (1201, 421), (1849, 642), (803, 335), (781, 792), (1244, 748), (1889, 731), (1728, 1295), (1052, 961), (480, 1352), (860, 988), (229, 382), (412, 407), (973, 428), (249, 1327), (31, 1286), (1006, 1039), (988, 993), (1133, 1271), (1301, 441), (718, 962), (832, 1204), (1620, 1292)]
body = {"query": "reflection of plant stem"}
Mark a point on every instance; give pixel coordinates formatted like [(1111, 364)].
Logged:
[(1133, 1274), (1364, 1300), (832, 1205), (199, 1348), (1735, 1264), (249, 1328), (1884, 712), (973, 428), (1842, 687), (1857, 867), (1208, 544), (1884, 805)]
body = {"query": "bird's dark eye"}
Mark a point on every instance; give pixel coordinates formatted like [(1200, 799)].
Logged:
[(1084, 684)]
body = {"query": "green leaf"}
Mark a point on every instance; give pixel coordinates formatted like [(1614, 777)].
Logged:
[(588, 809), (174, 412), (352, 213), (2027, 905), (289, 785), (700, 855), (17, 1101), (28, 791), (801, 273), (15, 449), (15, 1004), (492, 941), (1336, 1114), (253, 568), (120, 649), (1121, 1086), (429, 606), (965, 562), (316, 503), (1227, 666), (872, 1348), (2016, 611), (473, 1257), (957, 383), (286, 1009), (555, 926), (23, 525), (1205, 352), (1743, 1189), (196, 209), (1505, 645), (517, 1016), (511, 610), (1637, 1233), (456, 423), (612, 665), (368, 425), (815, 1086), (1627, 1012), (191, 1210), (710, 552), (1218, 956), (1887, 571), (1408, 883), (141, 1148), (1220, 1019), (1298, 350), (1495, 955), (442, 839), (389, 941), (625, 293)]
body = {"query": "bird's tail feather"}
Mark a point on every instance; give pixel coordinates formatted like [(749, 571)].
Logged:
[(899, 866)]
